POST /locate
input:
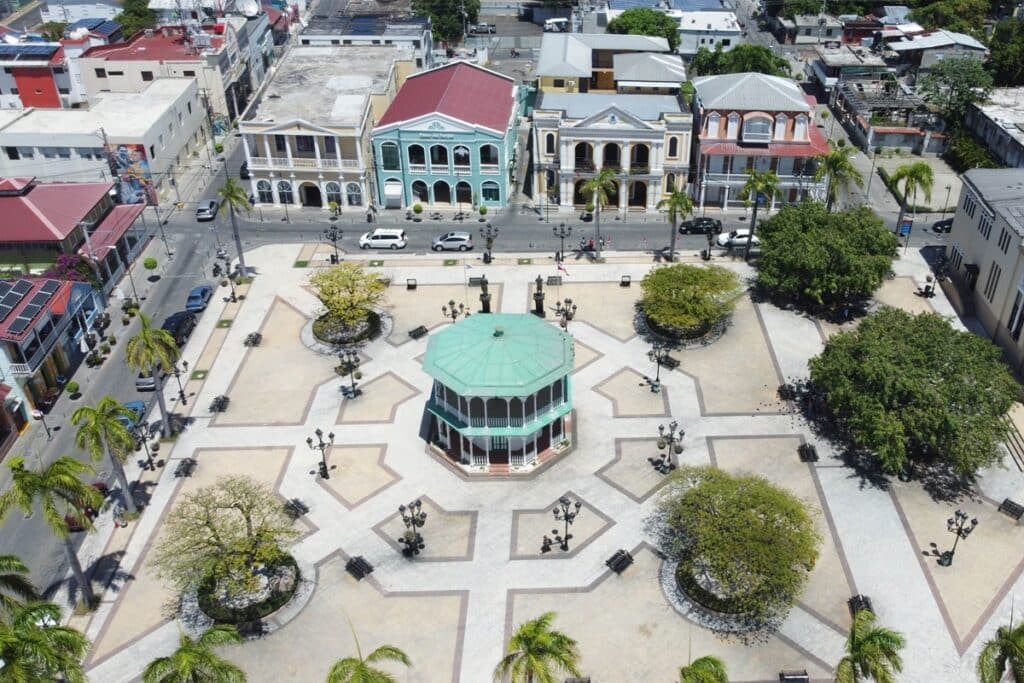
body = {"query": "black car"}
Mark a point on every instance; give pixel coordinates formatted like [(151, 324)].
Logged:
[(180, 325), (701, 226), (940, 227)]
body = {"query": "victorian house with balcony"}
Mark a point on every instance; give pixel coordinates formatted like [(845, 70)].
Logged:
[(448, 140), (308, 142), (752, 121)]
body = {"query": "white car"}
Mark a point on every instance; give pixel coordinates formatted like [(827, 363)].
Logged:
[(736, 239), (383, 238), (453, 241)]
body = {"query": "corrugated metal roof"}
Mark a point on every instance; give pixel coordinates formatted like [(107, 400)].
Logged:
[(940, 38), (648, 67), (582, 105), (568, 54), (750, 92)]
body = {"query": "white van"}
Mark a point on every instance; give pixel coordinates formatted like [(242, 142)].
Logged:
[(557, 25)]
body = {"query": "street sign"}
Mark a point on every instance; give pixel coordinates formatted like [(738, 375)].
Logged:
[(905, 227)]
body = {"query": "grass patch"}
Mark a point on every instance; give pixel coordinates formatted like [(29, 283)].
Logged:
[(198, 374), (451, 262), (524, 261), (376, 263), (226, 322), (300, 264)]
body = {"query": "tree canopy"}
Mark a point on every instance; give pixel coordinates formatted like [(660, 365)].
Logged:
[(740, 59), (963, 16), (446, 16), (644, 21), (1006, 53), (689, 299), (348, 292), (908, 387), (818, 258), (135, 16), (225, 531), (954, 84), (744, 545)]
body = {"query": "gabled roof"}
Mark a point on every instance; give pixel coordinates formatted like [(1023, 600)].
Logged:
[(649, 67), (46, 212), (584, 105), (935, 39), (568, 54), (26, 300), (462, 91), (750, 92)]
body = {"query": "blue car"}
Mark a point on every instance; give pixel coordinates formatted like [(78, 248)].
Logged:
[(138, 409), (198, 298)]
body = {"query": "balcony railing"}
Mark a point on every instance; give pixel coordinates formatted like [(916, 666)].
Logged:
[(301, 162), (639, 169), (417, 168), (584, 164), (490, 169), (759, 138), (463, 170), (804, 181), (498, 421), (40, 354), (20, 370)]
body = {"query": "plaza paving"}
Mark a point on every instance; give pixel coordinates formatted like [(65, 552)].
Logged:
[(482, 571)]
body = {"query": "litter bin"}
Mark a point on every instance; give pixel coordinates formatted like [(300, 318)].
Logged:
[(334, 259), (487, 257)]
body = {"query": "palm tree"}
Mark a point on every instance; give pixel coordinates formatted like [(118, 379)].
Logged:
[(704, 670), (839, 172), (59, 491), (195, 661), (536, 653), (1006, 648), (100, 432), (233, 196), (15, 587), (871, 652), (358, 670), (915, 176), (154, 350), (679, 205), (35, 647), (600, 186), (760, 186)]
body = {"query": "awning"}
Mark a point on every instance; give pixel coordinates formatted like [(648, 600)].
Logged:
[(392, 190), (113, 228)]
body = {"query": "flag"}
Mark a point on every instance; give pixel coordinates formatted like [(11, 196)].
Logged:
[(562, 268)]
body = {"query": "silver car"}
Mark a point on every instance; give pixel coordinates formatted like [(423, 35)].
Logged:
[(453, 241), (207, 210)]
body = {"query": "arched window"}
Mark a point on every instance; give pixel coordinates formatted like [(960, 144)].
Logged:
[(265, 191), (780, 126), (355, 194), (549, 143), (670, 183), (489, 155), (800, 129), (439, 155), (461, 155), (714, 122), (490, 191), (673, 147), (417, 156), (284, 192), (389, 157), (333, 191), (733, 129), (757, 129), (419, 191)]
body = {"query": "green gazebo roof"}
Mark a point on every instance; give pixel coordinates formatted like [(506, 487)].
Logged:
[(499, 354)]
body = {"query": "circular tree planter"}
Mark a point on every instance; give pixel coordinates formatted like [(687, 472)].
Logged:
[(328, 330), (687, 305), (279, 583)]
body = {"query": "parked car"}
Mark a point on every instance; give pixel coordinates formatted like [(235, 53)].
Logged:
[(701, 226), (138, 409), (144, 381), (383, 238), (243, 171), (482, 28), (940, 227), (737, 239), (453, 241), (207, 210), (198, 298), (180, 325)]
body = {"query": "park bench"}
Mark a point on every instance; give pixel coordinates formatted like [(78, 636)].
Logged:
[(220, 404), (252, 629), (253, 339), (794, 677), (578, 680), (859, 602), (807, 452), (358, 567), (476, 282), (410, 283), (1011, 509), (554, 280), (625, 281), (295, 508), (619, 561), (418, 332), (669, 362), (185, 468)]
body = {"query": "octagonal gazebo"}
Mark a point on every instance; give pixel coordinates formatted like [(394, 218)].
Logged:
[(502, 397)]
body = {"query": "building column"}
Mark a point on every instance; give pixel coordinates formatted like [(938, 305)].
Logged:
[(337, 151), (248, 154), (725, 197), (623, 195), (288, 150), (316, 149), (598, 155), (627, 150), (266, 150)]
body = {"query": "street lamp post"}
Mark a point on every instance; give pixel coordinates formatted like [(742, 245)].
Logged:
[(561, 232), (138, 430), (949, 188), (322, 446), (658, 355), (454, 310), (670, 441), (960, 528), (349, 364), (332, 234), (413, 518), (177, 376), (565, 310), (38, 414), (565, 512), (489, 233), (219, 271)]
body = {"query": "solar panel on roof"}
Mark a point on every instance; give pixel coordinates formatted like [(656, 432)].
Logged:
[(18, 326), (40, 299), (4, 312), (22, 287), (30, 311), (50, 286), (4, 288)]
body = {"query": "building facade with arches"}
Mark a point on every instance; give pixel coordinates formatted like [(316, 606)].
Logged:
[(448, 140), (644, 138), (308, 143), (752, 121)]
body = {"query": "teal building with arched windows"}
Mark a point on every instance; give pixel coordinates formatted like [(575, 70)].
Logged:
[(448, 140)]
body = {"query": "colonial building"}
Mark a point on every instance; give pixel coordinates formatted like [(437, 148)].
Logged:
[(308, 143), (752, 121), (502, 394), (645, 138), (448, 139)]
